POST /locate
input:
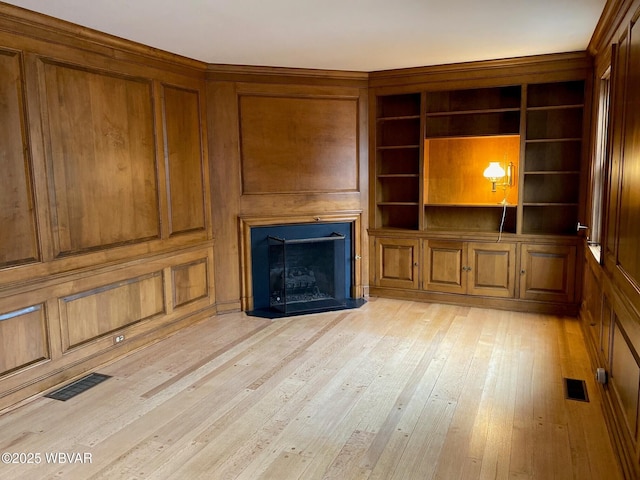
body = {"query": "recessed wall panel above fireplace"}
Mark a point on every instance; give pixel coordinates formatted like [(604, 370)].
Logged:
[(293, 144)]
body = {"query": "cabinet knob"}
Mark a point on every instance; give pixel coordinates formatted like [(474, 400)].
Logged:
[(523, 271), (415, 264)]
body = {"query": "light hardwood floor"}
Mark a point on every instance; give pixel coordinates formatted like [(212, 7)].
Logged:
[(393, 390)]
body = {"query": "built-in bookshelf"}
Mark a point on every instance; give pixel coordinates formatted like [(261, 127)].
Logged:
[(432, 148), (398, 159), (480, 111), (465, 130), (552, 157)]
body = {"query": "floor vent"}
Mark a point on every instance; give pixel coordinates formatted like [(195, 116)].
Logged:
[(575, 390), (77, 387)]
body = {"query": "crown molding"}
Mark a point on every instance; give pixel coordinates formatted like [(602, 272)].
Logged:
[(25, 23), (613, 16)]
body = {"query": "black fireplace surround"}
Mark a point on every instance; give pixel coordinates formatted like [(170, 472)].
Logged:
[(301, 268)]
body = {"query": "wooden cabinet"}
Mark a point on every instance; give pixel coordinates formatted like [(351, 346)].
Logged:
[(396, 262), (492, 269), (445, 264), (473, 268), (433, 134), (547, 272)]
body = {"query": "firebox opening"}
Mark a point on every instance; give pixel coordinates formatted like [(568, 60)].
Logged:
[(306, 274), (301, 268)]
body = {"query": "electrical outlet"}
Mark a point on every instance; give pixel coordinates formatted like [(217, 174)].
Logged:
[(601, 376), (118, 339)]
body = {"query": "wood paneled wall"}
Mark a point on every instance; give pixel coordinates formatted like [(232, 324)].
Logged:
[(291, 144), (611, 307), (184, 160), (99, 140), (108, 211), (105, 225), (18, 244), (287, 146)]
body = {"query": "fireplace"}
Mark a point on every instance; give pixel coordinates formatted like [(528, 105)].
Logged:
[(301, 268)]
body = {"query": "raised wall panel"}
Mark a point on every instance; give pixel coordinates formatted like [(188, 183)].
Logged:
[(629, 227), (619, 63), (102, 158), (22, 338), (625, 378), (607, 326), (104, 187), (298, 144), (184, 161), (18, 242), (593, 304), (190, 282), (89, 314)]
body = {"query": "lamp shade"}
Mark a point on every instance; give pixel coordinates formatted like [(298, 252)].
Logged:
[(494, 171)]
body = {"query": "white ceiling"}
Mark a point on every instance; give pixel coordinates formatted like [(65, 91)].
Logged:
[(358, 35)]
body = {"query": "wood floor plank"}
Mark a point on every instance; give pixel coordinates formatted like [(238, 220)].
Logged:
[(426, 441), (461, 428), (375, 398), (496, 455), (522, 444), (394, 389)]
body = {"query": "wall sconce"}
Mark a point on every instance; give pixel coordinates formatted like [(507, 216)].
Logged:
[(495, 174)]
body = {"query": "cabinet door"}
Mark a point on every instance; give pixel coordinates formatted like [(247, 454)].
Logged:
[(491, 269), (548, 272), (397, 262), (444, 266)]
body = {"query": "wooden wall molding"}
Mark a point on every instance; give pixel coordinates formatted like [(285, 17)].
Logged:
[(61, 325), (20, 243), (612, 330), (112, 149), (510, 71), (282, 75), (284, 197), (105, 197), (160, 117), (298, 144), (185, 157), (611, 308), (190, 282), (27, 327), (25, 23), (91, 314), (613, 16)]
